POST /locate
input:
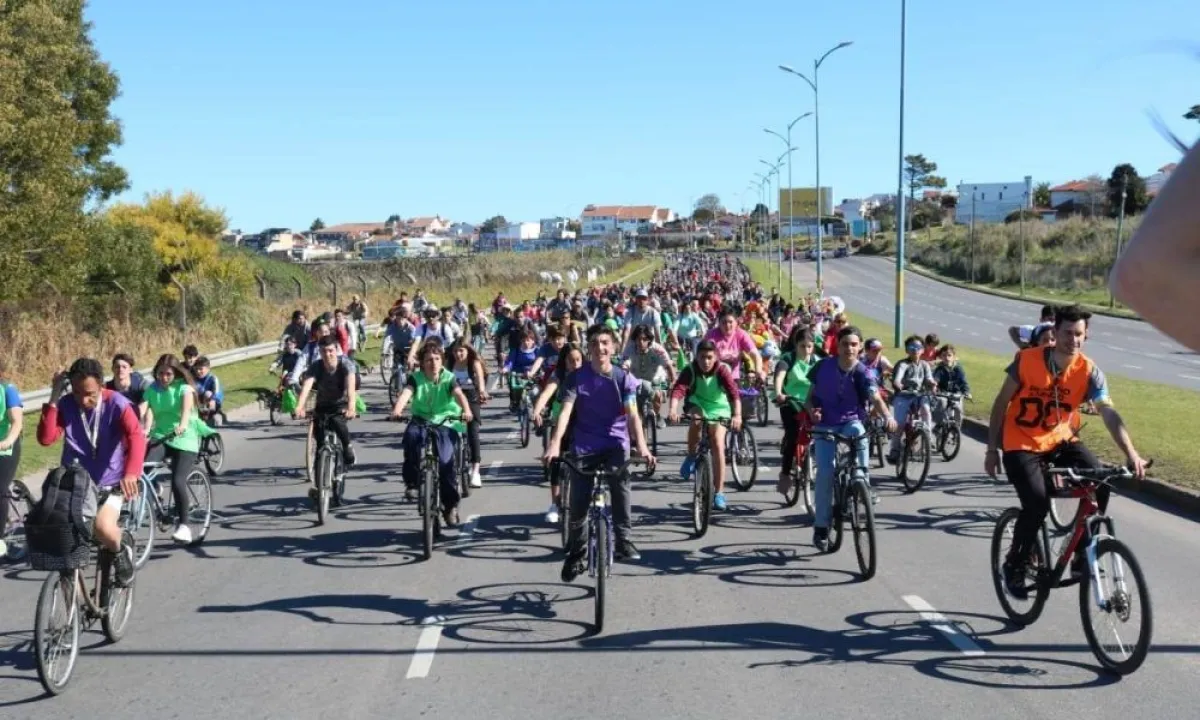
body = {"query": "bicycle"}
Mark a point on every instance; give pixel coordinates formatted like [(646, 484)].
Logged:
[(1093, 538), (431, 497), (17, 506), (741, 449), (947, 430), (153, 510), (387, 360), (66, 588), (703, 484), (598, 526), (524, 405), (914, 447), (803, 473), (212, 453), (328, 468), (852, 498), (650, 422), (396, 382)]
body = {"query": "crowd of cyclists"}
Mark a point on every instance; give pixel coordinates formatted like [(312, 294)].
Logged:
[(584, 367)]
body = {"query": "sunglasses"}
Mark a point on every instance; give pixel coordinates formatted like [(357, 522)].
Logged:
[(914, 348)]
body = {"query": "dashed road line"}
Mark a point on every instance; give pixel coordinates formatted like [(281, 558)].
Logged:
[(1189, 377), (427, 643), (1132, 367), (494, 468), (940, 623)]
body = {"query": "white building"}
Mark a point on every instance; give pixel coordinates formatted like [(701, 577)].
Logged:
[(462, 230), (519, 231), (852, 209), (634, 219), (555, 228), (992, 202)]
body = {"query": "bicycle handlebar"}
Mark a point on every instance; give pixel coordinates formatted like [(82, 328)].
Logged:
[(609, 471), (836, 436), (1100, 475), (688, 417), (440, 423)]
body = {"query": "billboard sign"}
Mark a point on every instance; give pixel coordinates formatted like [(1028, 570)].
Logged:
[(802, 202)]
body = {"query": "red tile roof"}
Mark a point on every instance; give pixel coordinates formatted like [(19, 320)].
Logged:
[(1168, 168), (623, 212), (353, 228), (1073, 186)]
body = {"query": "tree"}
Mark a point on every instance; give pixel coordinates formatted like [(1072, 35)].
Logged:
[(919, 174), (317, 224), (493, 224), (760, 213), (1136, 199), (1041, 195), (710, 203), (1193, 114), (703, 215), (56, 136), (185, 234), (393, 219)]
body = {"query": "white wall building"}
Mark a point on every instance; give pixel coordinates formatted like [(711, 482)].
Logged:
[(992, 202), (519, 231), (1155, 182), (852, 209), (555, 228), (606, 219)]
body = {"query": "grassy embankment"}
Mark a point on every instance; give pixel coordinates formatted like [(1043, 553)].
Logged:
[(1066, 262), (1162, 419), (243, 380)]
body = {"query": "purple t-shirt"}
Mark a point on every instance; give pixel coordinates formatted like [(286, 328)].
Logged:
[(842, 396), (600, 416)]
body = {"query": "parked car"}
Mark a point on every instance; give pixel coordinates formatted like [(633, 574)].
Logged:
[(842, 252)]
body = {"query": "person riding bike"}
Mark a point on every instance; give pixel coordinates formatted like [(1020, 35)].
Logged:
[(570, 359), (911, 376), (336, 382), (1035, 419), (101, 432), (167, 409), (708, 391), (791, 391), (651, 365), (523, 362), (436, 398), (841, 389)]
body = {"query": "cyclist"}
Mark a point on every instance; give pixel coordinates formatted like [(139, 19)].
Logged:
[(400, 333), (289, 364), (102, 433), (358, 314), (877, 363), (166, 409), (523, 362), (708, 391), (432, 327), (949, 377), (733, 344), (436, 398), (468, 369), (642, 313), (297, 329), (190, 353), (608, 417), (570, 360), (791, 390), (336, 382), (1035, 419), (910, 376), (12, 420), (1022, 335), (651, 365), (930, 352), (126, 380), (210, 393), (837, 401)]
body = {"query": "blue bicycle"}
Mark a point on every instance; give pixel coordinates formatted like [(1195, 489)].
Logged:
[(598, 523)]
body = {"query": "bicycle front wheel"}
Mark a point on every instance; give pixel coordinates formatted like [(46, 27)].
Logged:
[(324, 483), (214, 454), (116, 602), (564, 500), (56, 631), (951, 443), (862, 524), (1106, 596), (140, 524), (428, 510), (601, 555), (743, 457), (702, 496), (914, 461)]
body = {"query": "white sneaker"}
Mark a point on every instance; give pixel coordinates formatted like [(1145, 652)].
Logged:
[(552, 514), (182, 534), (476, 480)]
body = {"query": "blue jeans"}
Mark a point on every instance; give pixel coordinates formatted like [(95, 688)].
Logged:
[(826, 462)]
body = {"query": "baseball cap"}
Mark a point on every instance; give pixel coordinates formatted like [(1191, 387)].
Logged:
[(641, 293)]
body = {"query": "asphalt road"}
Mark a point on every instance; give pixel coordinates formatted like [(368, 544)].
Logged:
[(1121, 346), (276, 618)]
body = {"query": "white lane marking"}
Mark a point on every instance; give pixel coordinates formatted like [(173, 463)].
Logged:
[(1132, 367), (1189, 377), (511, 436), (427, 644), (494, 468), (940, 623), (1105, 333), (974, 333)]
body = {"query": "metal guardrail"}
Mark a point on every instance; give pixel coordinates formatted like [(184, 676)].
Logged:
[(225, 357)]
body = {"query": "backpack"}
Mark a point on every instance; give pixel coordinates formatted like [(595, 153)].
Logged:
[(59, 530)]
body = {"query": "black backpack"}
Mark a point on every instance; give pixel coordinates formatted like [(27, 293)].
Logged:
[(59, 530)]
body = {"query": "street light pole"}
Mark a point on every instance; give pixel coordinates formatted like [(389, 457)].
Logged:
[(1112, 300), (1024, 203), (898, 332), (791, 230), (817, 125)]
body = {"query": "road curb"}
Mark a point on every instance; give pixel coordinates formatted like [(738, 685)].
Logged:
[(937, 277), (1182, 500)]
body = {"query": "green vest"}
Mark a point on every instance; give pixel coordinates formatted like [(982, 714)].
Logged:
[(5, 422), (796, 384), (167, 406), (434, 400), (708, 395)]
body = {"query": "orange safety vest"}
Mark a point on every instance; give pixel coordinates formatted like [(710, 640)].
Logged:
[(1044, 413)]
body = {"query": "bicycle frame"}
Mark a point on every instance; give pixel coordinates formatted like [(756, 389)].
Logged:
[(1090, 527)]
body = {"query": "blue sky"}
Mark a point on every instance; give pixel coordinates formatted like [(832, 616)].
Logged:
[(284, 111)]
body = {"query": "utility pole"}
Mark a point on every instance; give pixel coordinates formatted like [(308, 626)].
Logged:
[(1112, 301), (972, 236), (1024, 202)]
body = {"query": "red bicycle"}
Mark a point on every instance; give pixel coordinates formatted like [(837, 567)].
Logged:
[(1091, 556), (803, 475)]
